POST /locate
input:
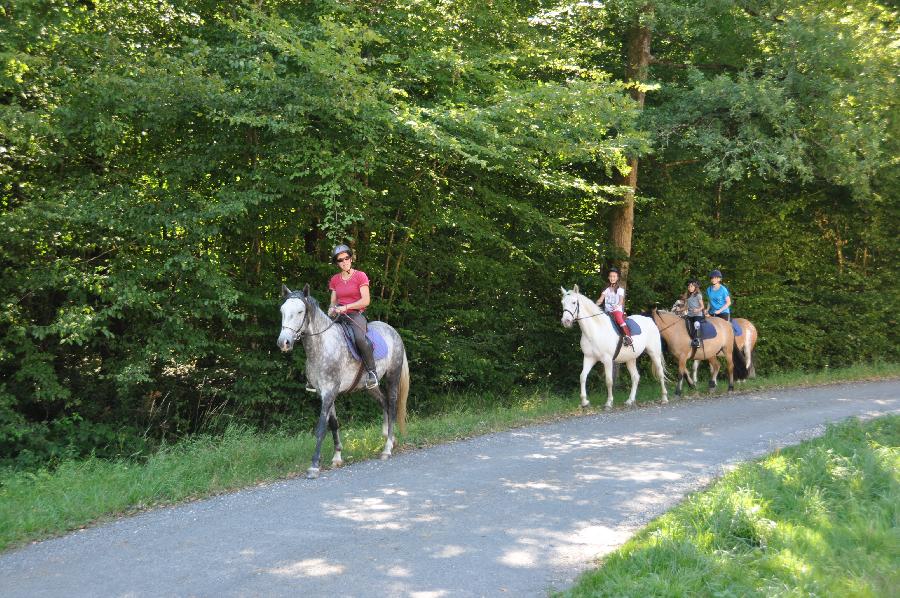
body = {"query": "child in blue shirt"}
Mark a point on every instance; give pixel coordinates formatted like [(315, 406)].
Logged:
[(719, 297)]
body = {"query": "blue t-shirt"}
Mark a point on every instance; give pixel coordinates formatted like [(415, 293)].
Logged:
[(717, 299)]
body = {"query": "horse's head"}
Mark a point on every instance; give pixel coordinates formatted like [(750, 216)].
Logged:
[(294, 316), (570, 306)]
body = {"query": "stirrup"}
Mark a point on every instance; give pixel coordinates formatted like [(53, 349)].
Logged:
[(371, 379), (626, 340), (695, 342)]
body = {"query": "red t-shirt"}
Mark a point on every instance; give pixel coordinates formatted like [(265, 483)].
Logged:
[(347, 291)]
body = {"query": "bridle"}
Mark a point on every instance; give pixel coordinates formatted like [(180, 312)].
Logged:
[(575, 317), (298, 332)]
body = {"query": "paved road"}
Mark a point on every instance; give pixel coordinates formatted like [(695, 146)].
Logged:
[(511, 514)]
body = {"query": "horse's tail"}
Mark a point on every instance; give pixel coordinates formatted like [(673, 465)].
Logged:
[(403, 393), (748, 349), (737, 360), (656, 349)]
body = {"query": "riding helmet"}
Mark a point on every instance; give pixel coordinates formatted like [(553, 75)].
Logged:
[(339, 250), (715, 274), (693, 281), (614, 269)]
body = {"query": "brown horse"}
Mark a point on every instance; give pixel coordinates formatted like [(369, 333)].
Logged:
[(674, 331), (746, 342)]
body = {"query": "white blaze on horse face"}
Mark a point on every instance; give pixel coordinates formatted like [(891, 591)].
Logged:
[(292, 311)]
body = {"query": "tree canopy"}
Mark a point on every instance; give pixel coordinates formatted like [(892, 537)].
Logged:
[(166, 165)]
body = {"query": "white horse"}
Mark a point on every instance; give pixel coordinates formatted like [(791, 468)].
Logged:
[(599, 340)]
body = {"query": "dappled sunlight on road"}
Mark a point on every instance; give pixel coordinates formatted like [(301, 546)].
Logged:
[(308, 568)]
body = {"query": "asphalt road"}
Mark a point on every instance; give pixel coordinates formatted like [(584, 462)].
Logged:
[(510, 514)]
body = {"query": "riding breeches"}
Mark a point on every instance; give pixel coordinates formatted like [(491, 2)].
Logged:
[(360, 326)]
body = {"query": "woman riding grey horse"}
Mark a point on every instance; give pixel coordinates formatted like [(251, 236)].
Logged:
[(333, 370), (349, 299)]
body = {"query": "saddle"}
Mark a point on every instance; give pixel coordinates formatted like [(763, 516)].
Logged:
[(707, 330), (632, 327), (379, 345)]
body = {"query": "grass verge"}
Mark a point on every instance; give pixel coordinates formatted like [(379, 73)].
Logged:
[(43, 503), (816, 519)]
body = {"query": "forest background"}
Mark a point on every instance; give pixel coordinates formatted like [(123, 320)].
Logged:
[(166, 165)]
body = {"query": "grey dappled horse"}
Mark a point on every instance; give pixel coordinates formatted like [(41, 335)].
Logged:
[(333, 370)]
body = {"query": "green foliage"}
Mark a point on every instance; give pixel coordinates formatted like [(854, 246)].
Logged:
[(165, 166)]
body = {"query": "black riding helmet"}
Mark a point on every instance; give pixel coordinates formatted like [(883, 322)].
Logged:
[(693, 281), (715, 274), (339, 250), (614, 269)]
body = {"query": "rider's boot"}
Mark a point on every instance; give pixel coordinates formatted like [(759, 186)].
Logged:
[(369, 360), (626, 336)]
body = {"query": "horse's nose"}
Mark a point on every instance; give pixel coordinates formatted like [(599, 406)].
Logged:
[(285, 345)]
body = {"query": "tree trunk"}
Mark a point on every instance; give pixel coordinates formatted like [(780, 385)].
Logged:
[(622, 223)]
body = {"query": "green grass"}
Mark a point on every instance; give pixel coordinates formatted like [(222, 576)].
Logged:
[(40, 504), (817, 519)]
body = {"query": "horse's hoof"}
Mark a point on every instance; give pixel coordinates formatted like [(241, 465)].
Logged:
[(629, 404), (337, 462), (607, 407), (312, 473), (712, 385), (385, 456), (730, 387), (664, 400)]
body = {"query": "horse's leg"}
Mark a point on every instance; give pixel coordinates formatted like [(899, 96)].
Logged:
[(729, 362), (682, 374), (696, 367), (714, 372), (327, 406), (608, 367), (635, 378), (333, 423), (586, 367), (390, 414)]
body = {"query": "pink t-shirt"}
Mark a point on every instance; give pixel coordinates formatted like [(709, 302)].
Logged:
[(347, 291)]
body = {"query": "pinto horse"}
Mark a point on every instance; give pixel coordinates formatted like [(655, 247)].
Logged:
[(333, 370), (599, 341), (673, 329)]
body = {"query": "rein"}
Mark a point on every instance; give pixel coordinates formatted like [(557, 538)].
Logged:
[(298, 332), (575, 317), (656, 314)]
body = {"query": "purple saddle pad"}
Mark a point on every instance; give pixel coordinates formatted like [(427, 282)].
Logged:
[(738, 331), (707, 330), (633, 327), (379, 346)]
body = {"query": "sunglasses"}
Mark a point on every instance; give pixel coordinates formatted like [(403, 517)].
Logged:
[(343, 259)]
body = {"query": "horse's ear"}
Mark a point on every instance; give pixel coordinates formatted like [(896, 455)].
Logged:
[(563, 290), (306, 290), (285, 291), (575, 288)]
